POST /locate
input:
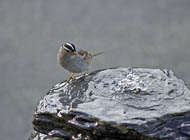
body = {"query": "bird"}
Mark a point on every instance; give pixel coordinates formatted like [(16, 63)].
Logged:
[(74, 61)]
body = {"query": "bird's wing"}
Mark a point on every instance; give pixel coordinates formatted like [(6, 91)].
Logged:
[(83, 53), (86, 55)]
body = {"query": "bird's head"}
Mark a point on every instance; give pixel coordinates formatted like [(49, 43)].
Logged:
[(69, 48)]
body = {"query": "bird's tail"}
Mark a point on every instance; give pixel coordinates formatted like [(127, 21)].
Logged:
[(96, 54)]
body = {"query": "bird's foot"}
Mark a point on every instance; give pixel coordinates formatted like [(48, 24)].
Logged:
[(71, 77), (86, 73)]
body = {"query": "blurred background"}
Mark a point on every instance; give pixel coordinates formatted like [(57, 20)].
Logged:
[(132, 33)]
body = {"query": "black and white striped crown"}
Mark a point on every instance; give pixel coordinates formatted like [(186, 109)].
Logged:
[(69, 47)]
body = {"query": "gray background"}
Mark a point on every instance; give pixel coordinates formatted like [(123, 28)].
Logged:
[(132, 33)]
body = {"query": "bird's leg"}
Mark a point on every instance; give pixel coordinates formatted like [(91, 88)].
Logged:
[(86, 72), (72, 76)]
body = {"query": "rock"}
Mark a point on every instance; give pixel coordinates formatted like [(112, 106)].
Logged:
[(120, 103)]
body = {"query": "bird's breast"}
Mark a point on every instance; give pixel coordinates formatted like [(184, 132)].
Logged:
[(74, 64)]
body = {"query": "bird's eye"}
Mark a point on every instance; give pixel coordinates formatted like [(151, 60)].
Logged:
[(67, 51)]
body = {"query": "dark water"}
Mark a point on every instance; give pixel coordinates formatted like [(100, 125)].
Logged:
[(135, 33)]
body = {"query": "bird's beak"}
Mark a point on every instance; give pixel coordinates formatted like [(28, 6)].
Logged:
[(74, 53)]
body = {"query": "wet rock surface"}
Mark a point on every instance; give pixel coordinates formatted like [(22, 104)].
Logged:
[(120, 103)]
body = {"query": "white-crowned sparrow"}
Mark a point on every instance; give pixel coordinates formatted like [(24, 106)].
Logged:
[(73, 60)]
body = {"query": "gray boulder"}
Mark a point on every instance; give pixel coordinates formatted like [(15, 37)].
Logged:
[(119, 103)]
